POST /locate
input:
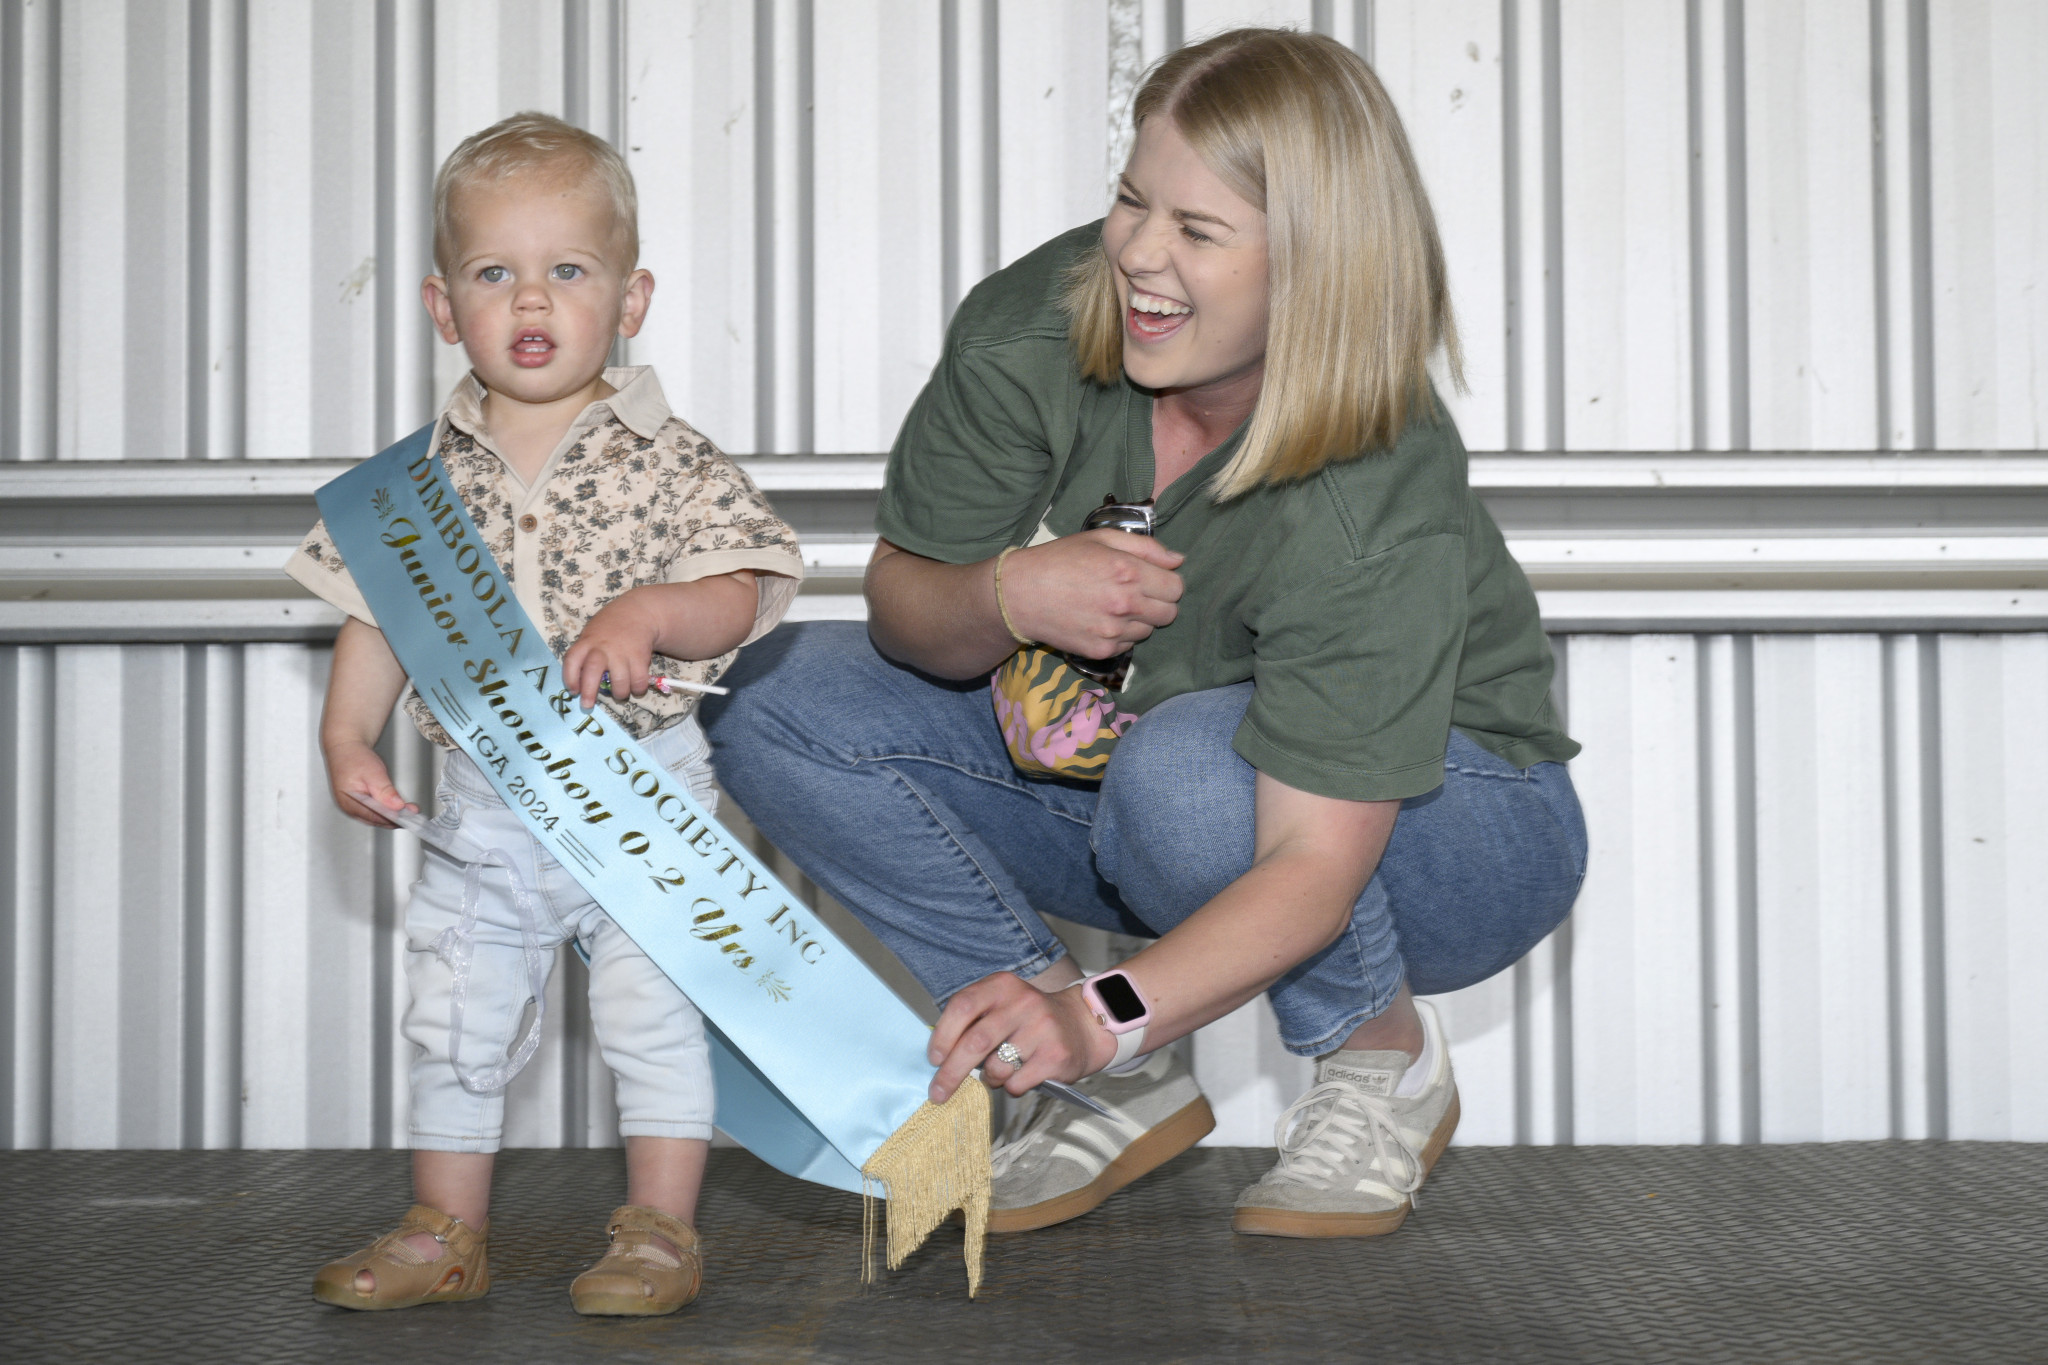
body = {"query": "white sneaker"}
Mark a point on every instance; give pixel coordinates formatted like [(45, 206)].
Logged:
[(1057, 1161), (1352, 1154)]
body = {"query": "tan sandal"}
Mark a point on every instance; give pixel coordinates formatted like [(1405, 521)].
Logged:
[(638, 1276), (405, 1278)]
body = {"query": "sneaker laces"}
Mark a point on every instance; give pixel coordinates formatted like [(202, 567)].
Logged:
[(1319, 1133), (1034, 1115)]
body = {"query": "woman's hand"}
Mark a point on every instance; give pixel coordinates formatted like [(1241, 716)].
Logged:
[(1094, 594), (1059, 1038)]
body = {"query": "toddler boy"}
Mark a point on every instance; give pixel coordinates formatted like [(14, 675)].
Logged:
[(639, 551)]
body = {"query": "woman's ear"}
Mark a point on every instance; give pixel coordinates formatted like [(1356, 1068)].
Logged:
[(639, 291)]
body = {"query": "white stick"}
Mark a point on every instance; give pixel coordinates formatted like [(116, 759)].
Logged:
[(666, 685)]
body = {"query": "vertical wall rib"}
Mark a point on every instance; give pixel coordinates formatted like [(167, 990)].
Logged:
[(1553, 228), (1514, 310), (1933, 883), (806, 282), (1920, 191), (12, 882), (1737, 135), (1880, 217)]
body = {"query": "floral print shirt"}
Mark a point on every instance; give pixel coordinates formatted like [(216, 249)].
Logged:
[(632, 496)]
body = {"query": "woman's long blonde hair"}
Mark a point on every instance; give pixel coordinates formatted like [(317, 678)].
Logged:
[(1298, 126)]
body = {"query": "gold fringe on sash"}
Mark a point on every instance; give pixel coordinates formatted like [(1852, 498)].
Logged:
[(935, 1163)]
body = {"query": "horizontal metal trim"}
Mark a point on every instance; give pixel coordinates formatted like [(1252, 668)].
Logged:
[(134, 620), (1672, 470), (1616, 558), (175, 620), (149, 551)]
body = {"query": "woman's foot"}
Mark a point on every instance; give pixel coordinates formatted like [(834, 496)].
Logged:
[(1355, 1148), (429, 1258), (654, 1266), (1056, 1161)]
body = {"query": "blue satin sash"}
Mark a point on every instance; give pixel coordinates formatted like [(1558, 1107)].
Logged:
[(816, 1060)]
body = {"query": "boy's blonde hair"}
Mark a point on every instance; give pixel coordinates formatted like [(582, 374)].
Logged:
[(1298, 126), (535, 142)]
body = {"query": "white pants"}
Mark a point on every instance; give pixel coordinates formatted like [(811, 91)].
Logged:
[(651, 1035)]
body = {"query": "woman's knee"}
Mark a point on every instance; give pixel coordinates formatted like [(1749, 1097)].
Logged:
[(1484, 871), (790, 689), (821, 690), (1174, 824)]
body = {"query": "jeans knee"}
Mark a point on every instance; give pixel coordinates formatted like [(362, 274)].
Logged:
[(788, 690), (1174, 823)]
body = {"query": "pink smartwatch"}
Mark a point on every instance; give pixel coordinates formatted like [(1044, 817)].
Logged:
[(1120, 1007)]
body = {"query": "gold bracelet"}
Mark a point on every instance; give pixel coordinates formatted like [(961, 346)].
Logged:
[(1010, 625)]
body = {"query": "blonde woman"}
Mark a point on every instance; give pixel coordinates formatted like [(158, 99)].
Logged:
[(1329, 769)]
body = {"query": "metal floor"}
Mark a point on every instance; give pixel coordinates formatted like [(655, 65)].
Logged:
[(1866, 1252)]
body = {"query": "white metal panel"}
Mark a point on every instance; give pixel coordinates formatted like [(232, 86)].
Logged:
[(1636, 1013), (877, 325), (1201, 19), (1822, 935), (1989, 132), (1053, 109), (692, 139), (1627, 311), (1994, 815), (1813, 366), (1442, 67)]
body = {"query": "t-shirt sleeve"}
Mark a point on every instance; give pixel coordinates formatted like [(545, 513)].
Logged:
[(316, 566), (1355, 673), (729, 525), (971, 459)]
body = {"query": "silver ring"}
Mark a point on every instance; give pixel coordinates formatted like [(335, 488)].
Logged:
[(1008, 1053)]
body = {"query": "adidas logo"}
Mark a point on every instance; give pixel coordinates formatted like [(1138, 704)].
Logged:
[(1371, 1082)]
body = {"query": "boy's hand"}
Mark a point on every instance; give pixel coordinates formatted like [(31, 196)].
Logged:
[(619, 640), (354, 770)]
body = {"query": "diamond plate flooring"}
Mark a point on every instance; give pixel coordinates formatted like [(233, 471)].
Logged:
[(1865, 1251)]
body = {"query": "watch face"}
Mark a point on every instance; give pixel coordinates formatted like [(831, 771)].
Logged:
[(1121, 999)]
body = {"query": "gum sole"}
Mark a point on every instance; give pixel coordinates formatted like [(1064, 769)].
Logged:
[(1153, 1149), (1263, 1222)]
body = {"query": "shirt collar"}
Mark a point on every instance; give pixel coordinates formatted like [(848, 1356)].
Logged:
[(639, 405)]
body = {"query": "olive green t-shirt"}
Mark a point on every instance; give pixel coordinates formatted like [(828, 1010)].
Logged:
[(1373, 606)]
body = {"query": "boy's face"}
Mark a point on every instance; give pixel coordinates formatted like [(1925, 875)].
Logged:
[(534, 293)]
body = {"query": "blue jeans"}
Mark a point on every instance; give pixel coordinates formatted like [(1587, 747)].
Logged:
[(893, 791)]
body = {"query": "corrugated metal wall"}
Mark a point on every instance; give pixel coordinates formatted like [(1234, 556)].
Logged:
[(1672, 224), (1815, 910), (1816, 903)]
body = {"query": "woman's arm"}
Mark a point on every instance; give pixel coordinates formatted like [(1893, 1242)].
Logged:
[(1094, 594), (1312, 856)]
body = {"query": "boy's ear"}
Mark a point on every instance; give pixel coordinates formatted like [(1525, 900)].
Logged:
[(639, 289), (434, 294)]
